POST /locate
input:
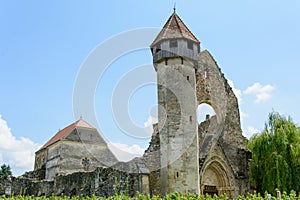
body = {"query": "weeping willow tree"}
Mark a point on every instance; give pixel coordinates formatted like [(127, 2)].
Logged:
[(276, 156)]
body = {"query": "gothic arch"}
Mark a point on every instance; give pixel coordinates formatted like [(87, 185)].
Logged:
[(214, 107), (216, 173)]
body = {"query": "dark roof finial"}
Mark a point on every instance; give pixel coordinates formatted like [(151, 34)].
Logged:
[(174, 7)]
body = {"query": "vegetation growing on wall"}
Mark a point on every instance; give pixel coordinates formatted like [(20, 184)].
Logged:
[(276, 156)]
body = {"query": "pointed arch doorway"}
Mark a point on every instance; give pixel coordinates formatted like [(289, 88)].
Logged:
[(216, 179)]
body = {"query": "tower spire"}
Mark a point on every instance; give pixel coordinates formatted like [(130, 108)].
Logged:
[(174, 7)]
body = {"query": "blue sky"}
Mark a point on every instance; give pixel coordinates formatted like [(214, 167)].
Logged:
[(44, 45)]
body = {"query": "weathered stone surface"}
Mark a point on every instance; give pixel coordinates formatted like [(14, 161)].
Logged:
[(76, 148), (38, 174), (101, 182), (213, 153), (183, 156), (214, 90), (177, 122)]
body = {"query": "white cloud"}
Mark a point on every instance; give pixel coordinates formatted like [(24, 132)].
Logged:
[(125, 152), (243, 114), (237, 92), (261, 92), (17, 152), (148, 124), (250, 131)]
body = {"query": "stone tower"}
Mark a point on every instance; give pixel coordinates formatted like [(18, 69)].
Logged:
[(206, 158), (175, 53)]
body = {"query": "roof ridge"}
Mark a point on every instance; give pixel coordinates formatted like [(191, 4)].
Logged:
[(83, 124), (176, 16), (61, 134), (187, 27)]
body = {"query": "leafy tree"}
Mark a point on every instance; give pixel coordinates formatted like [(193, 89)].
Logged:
[(276, 156), (5, 170)]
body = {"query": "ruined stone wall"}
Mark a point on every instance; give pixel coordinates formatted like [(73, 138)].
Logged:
[(38, 174), (2, 185), (15, 185), (101, 182), (214, 89), (151, 159), (40, 159), (223, 155)]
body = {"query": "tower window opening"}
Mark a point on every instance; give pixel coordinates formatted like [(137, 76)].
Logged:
[(158, 48), (188, 78), (190, 45), (173, 43)]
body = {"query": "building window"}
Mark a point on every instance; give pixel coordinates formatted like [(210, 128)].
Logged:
[(177, 175), (158, 49), (173, 43), (188, 78), (190, 45), (86, 162)]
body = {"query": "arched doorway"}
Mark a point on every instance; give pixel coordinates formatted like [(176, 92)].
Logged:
[(216, 178)]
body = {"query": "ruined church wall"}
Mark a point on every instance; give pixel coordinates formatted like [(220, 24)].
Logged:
[(214, 89), (101, 182), (40, 159), (151, 159)]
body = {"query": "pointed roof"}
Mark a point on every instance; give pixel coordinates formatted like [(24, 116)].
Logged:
[(175, 28), (66, 131)]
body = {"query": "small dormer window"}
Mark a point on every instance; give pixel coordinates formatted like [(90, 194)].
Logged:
[(190, 45), (173, 43)]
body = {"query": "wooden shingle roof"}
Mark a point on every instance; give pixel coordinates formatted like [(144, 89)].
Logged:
[(174, 28)]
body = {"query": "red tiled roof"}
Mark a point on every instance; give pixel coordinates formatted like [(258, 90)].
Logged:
[(66, 131), (174, 28)]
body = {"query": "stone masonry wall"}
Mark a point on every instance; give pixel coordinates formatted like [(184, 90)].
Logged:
[(214, 89), (151, 158), (177, 122), (101, 182)]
